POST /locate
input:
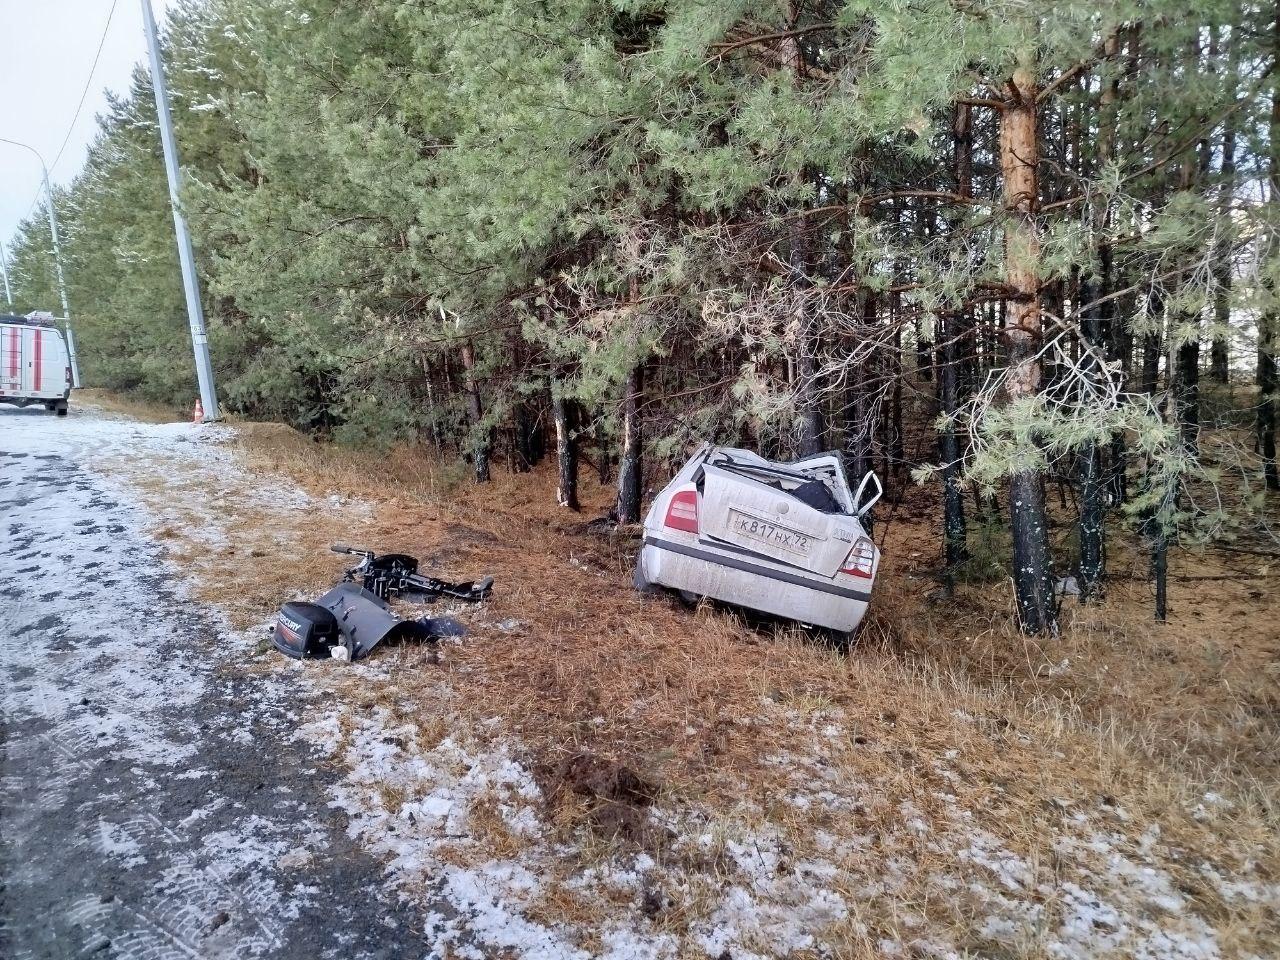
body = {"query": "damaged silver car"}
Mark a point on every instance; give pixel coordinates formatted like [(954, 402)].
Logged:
[(781, 538)]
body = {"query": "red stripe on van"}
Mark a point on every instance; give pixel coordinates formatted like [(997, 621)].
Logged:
[(39, 351), (14, 350)]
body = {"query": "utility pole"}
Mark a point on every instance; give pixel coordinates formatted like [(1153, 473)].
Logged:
[(57, 262), (191, 285), (4, 269)]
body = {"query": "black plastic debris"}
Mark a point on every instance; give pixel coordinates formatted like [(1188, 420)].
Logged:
[(365, 620), (443, 627), (393, 574), (354, 617)]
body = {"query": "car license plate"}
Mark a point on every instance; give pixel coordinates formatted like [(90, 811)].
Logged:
[(762, 531)]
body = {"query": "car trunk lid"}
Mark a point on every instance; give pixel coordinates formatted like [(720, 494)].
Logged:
[(772, 516)]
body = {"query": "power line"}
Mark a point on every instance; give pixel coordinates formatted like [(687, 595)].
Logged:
[(87, 83), (84, 94)]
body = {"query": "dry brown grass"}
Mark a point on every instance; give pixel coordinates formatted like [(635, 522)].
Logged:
[(128, 406), (259, 557), (1198, 691), (1143, 715), (1118, 712)]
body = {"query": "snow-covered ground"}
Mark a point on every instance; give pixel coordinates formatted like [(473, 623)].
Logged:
[(153, 801), (773, 893)]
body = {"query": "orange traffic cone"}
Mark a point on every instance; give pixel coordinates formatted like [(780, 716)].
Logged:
[(197, 415)]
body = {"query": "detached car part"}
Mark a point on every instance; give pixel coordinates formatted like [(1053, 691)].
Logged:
[(355, 616), (393, 574), (782, 538)]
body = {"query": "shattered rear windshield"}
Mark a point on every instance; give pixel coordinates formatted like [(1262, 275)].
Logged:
[(810, 490)]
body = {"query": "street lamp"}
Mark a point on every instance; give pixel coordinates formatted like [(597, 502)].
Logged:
[(4, 271), (57, 259)]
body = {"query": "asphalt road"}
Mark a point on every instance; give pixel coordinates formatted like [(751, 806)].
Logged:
[(153, 802)]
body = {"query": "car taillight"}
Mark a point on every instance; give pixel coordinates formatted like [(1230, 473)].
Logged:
[(861, 561), (682, 514)]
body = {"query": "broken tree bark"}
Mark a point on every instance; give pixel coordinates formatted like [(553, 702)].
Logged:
[(566, 450)]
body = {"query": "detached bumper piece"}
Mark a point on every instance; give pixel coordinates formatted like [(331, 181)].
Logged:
[(350, 620)]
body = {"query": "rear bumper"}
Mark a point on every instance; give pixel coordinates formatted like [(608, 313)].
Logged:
[(740, 581), (31, 399)]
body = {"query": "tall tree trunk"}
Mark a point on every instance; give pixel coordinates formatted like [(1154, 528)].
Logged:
[(895, 453), (1220, 352), (1120, 352), (1157, 521), (631, 468), (1160, 570), (1269, 322), (954, 531), (1019, 161), (604, 455), (857, 431), (859, 424), (523, 440), (808, 405), (437, 439), (1152, 524), (475, 414), (1187, 392), (950, 331), (1093, 507), (1093, 556), (1096, 323), (1187, 358), (1266, 417), (566, 449), (524, 422), (1116, 329), (1151, 354)]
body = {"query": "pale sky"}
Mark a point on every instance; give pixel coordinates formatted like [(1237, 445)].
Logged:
[(46, 51)]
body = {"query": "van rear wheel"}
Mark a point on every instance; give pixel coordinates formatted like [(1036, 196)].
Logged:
[(60, 408)]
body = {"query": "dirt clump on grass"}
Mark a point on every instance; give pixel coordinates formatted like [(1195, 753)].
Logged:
[(609, 796)]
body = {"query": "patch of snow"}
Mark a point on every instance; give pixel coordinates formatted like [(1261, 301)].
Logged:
[(114, 839)]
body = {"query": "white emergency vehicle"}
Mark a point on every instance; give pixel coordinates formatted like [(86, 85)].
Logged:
[(34, 365)]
